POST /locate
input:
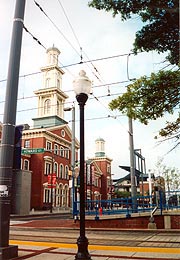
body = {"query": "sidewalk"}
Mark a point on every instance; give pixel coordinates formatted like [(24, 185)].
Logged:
[(54, 251), (36, 250)]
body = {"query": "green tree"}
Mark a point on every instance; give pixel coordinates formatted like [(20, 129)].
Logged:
[(161, 19), (149, 98), (171, 175), (122, 194)]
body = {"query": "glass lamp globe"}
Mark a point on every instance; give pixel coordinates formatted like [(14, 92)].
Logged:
[(82, 84)]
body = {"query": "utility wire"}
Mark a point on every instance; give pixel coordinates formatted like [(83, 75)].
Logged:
[(81, 57), (41, 9), (66, 91), (77, 63), (70, 25), (81, 50), (111, 114), (34, 38)]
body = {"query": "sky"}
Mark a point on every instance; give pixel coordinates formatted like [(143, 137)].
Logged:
[(85, 34)]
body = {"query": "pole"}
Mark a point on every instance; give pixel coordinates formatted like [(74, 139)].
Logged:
[(8, 130), (73, 160), (132, 168), (52, 169), (82, 241)]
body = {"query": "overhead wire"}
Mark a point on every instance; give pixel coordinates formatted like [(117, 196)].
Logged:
[(71, 90), (77, 63), (72, 29), (81, 49), (41, 9)]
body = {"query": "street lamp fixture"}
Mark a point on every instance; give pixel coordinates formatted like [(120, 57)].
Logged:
[(82, 88)]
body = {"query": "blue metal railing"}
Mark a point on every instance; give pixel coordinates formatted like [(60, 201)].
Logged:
[(161, 200)]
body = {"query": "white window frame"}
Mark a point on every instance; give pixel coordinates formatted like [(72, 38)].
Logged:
[(66, 172), (62, 151), (27, 143), (61, 171), (48, 146), (24, 166), (47, 195), (56, 149), (47, 168), (55, 169)]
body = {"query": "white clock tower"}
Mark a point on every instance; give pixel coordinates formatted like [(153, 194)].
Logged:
[(51, 98)]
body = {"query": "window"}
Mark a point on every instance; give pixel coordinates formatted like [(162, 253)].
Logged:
[(56, 169), (47, 82), (55, 149), (47, 196), (26, 165), (58, 83), (96, 182), (108, 168), (47, 168), (108, 182), (61, 171), (62, 133), (66, 172), (61, 151), (57, 108), (66, 153), (48, 146), (27, 143), (47, 106)]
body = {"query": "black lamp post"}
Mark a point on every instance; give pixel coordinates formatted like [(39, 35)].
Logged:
[(82, 87)]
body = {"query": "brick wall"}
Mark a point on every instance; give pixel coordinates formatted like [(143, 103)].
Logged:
[(132, 222), (175, 222)]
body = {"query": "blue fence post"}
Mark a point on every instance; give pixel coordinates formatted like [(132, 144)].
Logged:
[(128, 215), (97, 213)]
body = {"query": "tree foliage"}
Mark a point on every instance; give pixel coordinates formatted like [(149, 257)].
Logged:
[(161, 19), (151, 97), (171, 175)]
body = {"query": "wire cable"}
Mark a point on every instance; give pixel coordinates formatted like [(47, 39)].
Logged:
[(41, 9)]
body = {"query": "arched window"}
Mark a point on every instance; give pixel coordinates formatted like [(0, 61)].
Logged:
[(58, 83), (56, 169), (61, 151), (61, 171), (26, 165), (57, 108), (47, 82), (66, 195), (66, 172), (47, 106), (47, 195)]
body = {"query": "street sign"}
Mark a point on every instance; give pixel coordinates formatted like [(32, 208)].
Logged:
[(32, 150)]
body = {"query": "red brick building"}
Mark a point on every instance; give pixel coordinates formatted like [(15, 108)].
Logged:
[(47, 148), (101, 174)]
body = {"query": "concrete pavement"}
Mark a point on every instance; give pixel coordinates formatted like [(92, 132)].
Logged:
[(53, 251), (151, 247)]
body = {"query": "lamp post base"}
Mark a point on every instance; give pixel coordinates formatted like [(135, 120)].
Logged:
[(8, 252), (82, 253)]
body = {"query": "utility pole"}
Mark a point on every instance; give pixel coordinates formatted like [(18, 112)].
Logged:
[(73, 160), (8, 133), (132, 166), (73, 157)]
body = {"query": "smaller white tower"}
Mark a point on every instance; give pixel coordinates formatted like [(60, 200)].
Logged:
[(100, 147), (52, 56)]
